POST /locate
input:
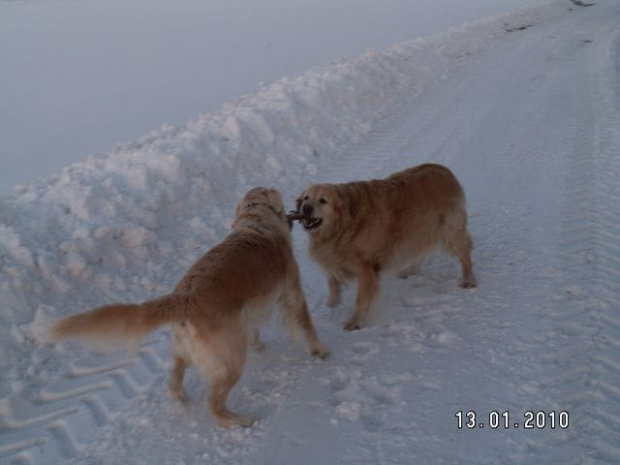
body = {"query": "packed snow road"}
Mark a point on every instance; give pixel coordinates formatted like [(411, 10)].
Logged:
[(530, 124)]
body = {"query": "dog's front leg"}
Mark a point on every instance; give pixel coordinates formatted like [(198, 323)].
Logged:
[(298, 319), (334, 292), (257, 344), (367, 291)]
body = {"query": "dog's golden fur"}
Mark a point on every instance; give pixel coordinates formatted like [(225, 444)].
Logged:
[(361, 229), (218, 304)]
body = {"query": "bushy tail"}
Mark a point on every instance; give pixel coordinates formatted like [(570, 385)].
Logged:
[(122, 325)]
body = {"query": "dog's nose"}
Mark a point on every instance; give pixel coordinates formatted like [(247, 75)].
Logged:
[(307, 209)]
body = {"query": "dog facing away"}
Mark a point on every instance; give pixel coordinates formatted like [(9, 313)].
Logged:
[(217, 306), (361, 229)]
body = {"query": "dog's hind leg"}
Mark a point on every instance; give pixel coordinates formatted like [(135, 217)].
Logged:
[(468, 279), (221, 384), (220, 356), (368, 287), (460, 244), (176, 379), (181, 362), (334, 292), (298, 319)]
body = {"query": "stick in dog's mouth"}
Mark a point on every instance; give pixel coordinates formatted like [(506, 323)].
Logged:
[(309, 223), (294, 215)]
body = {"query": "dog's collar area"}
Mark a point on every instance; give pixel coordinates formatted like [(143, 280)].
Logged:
[(256, 204), (251, 205)]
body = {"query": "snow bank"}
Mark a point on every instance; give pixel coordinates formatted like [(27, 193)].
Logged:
[(126, 225)]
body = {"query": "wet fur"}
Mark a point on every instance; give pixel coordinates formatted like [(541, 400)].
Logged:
[(363, 229), (216, 308)]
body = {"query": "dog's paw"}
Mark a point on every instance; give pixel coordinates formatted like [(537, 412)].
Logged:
[(411, 271), (320, 352), (258, 345), (246, 422), (352, 325), (178, 393), (236, 420), (468, 284)]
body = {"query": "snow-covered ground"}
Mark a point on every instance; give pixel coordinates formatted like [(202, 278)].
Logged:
[(525, 108), (77, 77)]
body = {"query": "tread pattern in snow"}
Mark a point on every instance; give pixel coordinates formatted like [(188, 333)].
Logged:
[(591, 252), (53, 423)]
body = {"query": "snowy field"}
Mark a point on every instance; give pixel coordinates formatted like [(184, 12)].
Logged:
[(78, 77), (523, 106)]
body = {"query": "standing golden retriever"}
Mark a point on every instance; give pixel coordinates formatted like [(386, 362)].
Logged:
[(217, 305), (361, 229)]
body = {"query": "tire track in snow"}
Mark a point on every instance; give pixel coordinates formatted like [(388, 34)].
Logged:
[(591, 252), (53, 423)]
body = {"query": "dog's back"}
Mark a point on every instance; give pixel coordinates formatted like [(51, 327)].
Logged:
[(405, 215), (234, 272)]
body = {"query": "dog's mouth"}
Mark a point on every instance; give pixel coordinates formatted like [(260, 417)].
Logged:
[(310, 223)]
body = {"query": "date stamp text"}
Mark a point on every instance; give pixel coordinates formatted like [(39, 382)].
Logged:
[(529, 420)]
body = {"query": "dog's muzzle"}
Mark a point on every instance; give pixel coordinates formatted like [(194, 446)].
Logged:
[(309, 223)]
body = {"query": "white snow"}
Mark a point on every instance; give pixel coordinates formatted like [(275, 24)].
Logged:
[(524, 107), (78, 77)]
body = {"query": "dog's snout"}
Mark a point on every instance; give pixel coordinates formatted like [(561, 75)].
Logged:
[(307, 209)]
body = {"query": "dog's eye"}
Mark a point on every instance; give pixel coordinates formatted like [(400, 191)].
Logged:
[(322, 200), (306, 197)]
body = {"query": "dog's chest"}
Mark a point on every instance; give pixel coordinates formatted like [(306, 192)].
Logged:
[(334, 260)]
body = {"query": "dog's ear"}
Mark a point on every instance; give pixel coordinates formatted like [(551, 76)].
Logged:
[(341, 205), (240, 206), (338, 201), (274, 199)]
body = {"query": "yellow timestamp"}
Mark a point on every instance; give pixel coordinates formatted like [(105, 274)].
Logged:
[(529, 420)]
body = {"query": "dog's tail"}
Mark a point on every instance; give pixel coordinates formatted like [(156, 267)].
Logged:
[(122, 325)]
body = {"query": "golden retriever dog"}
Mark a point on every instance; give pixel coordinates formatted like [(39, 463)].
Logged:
[(361, 229), (217, 306)]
